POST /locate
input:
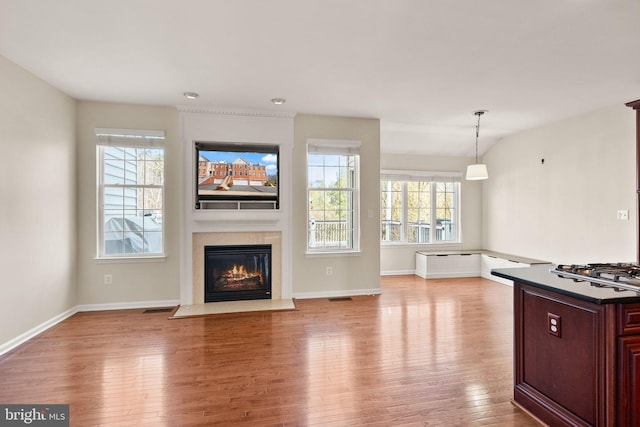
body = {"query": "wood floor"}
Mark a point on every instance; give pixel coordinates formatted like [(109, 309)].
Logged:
[(424, 353)]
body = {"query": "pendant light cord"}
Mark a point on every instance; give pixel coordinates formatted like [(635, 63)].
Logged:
[(479, 114)]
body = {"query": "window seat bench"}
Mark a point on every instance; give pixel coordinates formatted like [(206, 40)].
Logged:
[(468, 263)]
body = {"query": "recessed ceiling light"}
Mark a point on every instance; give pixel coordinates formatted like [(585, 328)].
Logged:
[(278, 101), (191, 95)]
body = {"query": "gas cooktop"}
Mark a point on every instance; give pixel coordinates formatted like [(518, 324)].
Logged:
[(619, 276)]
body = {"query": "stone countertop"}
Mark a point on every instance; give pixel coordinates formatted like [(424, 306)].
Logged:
[(539, 276)]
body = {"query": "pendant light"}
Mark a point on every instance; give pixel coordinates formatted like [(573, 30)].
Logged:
[(477, 171)]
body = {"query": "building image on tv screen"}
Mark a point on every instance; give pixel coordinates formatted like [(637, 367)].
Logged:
[(231, 173)]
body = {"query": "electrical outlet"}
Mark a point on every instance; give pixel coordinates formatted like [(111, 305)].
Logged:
[(554, 325), (108, 279), (329, 271), (623, 214)]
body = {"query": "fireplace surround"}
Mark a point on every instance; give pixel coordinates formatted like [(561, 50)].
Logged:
[(237, 272), (210, 227), (201, 240)]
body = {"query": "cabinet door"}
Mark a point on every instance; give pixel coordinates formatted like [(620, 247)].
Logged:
[(453, 265), (629, 381), (560, 356)]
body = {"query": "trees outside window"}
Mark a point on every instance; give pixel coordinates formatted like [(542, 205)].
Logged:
[(332, 199), (419, 209)]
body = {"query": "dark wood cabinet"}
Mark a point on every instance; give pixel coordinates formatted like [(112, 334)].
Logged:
[(628, 375), (629, 381), (561, 370), (576, 350)]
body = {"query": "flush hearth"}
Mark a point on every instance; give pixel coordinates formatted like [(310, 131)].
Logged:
[(237, 272)]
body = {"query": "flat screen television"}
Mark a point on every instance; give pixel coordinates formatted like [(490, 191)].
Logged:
[(236, 176)]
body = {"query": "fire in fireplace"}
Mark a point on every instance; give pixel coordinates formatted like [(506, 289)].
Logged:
[(237, 272)]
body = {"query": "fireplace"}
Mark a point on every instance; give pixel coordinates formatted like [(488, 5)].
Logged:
[(237, 272)]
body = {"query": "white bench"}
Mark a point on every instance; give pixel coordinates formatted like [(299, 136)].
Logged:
[(474, 263)]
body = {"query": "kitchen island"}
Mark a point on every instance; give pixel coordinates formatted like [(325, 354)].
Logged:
[(576, 349)]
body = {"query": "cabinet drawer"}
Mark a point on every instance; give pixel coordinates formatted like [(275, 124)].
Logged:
[(629, 319)]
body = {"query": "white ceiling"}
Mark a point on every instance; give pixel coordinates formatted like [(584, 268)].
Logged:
[(421, 66)]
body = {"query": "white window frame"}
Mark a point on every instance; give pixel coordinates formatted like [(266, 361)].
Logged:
[(423, 176), (126, 138), (335, 147)]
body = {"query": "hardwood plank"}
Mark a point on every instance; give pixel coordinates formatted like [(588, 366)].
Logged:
[(424, 353)]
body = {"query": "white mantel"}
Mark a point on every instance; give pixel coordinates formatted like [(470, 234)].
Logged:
[(255, 127)]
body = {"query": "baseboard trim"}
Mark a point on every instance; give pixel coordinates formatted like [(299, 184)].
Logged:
[(334, 294), (451, 275), (26, 336), (128, 305), (397, 272), (526, 411), (23, 338)]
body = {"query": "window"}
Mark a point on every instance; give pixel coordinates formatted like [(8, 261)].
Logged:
[(130, 193), (333, 196), (419, 208)]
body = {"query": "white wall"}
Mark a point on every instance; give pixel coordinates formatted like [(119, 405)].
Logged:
[(352, 274), (401, 259), (133, 282), (564, 210), (37, 202)]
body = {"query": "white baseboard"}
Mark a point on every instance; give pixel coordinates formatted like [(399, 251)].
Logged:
[(128, 305), (337, 294), (22, 338), (452, 275), (397, 272)]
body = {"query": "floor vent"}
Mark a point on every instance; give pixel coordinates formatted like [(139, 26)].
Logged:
[(158, 310), (340, 299)]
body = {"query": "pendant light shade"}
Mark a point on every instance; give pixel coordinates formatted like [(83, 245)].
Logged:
[(478, 171)]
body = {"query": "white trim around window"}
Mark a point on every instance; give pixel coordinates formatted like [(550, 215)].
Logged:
[(333, 196), (410, 202), (130, 194)]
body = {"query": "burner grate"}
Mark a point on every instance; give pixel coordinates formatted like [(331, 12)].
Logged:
[(619, 276)]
